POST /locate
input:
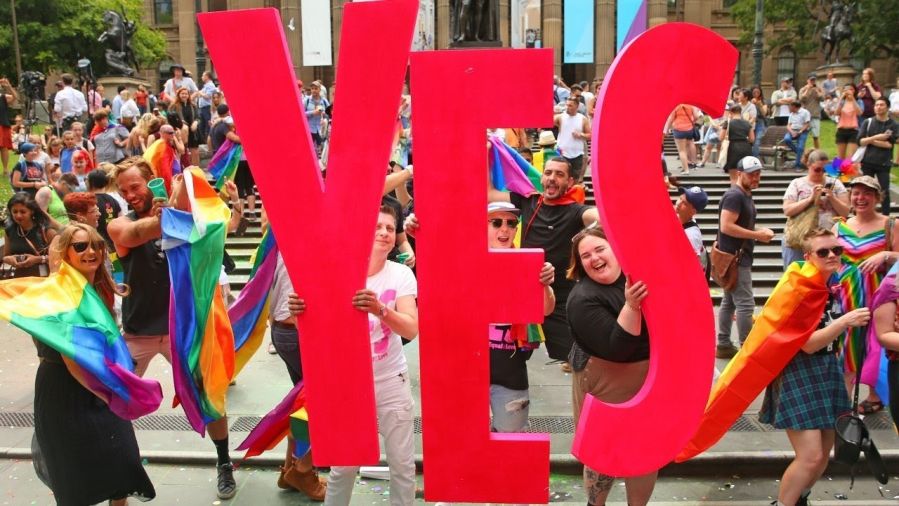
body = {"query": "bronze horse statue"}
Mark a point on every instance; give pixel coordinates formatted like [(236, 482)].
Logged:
[(119, 52), (838, 31)]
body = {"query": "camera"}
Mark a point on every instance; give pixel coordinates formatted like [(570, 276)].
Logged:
[(32, 84)]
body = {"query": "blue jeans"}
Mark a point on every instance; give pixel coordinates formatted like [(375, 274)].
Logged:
[(759, 133), (790, 255), (510, 409), (205, 118), (796, 144)]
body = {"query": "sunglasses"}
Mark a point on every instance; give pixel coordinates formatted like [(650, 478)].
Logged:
[(824, 252), (498, 222), (81, 246)]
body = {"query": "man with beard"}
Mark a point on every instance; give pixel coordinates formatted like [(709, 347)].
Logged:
[(145, 312), (549, 221)]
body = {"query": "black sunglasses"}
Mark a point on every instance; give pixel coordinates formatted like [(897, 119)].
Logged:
[(81, 246), (498, 222), (824, 252)]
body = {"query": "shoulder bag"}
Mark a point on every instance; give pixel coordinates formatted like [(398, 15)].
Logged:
[(799, 225), (725, 144), (859, 154)]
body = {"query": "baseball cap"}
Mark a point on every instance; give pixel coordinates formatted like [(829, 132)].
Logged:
[(868, 181), (696, 196), (495, 207), (26, 147), (749, 164)]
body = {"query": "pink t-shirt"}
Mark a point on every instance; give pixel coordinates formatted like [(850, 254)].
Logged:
[(848, 115)]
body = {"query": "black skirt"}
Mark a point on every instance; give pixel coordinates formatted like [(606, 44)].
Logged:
[(89, 453), (736, 151)]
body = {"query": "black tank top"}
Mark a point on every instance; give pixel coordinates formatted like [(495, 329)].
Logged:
[(145, 312)]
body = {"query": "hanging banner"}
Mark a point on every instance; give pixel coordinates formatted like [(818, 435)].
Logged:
[(423, 40), (578, 31), (316, 22), (631, 21), (525, 21)]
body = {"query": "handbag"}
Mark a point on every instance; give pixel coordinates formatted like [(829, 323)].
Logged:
[(799, 225), (725, 144), (859, 154), (724, 267)]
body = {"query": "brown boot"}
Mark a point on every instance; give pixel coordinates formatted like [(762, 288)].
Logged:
[(306, 482), (288, 464)]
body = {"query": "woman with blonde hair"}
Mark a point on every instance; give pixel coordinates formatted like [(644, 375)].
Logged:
[(137, 139)]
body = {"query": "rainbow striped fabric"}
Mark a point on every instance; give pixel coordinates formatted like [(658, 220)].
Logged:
[(164, 161), (510, 172), (201, 335), (223, 164), (65, 313), (275, 425), (249, 313)]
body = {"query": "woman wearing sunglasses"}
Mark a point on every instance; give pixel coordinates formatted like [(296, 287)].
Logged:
[(808, 395), (89, 453), (869, 241), (509, 345), (610, 355)]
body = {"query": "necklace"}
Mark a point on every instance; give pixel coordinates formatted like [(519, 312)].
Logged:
[(21, 232)]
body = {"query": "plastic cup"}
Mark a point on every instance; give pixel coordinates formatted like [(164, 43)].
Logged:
[(157, 186)]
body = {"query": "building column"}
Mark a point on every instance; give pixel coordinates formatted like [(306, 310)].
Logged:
[(606, 36), (552, 31), (656, 12), (442, 25), (185, 16), (290, 10), (505, 30)]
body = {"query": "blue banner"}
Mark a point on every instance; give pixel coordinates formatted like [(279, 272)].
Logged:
[(631, 21), (578, 31)]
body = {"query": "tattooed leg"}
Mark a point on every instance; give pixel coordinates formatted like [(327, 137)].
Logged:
[(597, 486)]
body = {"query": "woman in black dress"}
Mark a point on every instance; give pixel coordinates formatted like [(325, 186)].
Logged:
[(610, 355), (740, 136), (90, 454), (28, 234), (189, 115)]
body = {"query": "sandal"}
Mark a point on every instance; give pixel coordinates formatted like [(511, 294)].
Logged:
[(867, 407)]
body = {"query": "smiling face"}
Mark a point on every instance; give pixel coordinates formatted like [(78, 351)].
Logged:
[(502, 236), (184, 95), (831, 262), (598, 260), (863, 199), (92, 217), (556, 179), (89, 259), (133, 188), (385, 234)]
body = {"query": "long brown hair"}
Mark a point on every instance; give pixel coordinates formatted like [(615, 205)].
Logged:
[(103, 283), (575, 267)]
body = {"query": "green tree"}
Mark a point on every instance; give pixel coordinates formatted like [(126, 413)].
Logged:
[(54, 34), (799, 24)]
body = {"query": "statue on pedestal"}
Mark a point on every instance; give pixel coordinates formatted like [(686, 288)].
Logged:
[(838, 30), (119, 53), (474, 20)]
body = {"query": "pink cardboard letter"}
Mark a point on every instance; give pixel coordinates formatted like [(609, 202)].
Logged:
[(463, 287), (645, 433), (325, 235)]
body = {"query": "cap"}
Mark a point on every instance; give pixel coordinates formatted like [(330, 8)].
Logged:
[(546, 138), (813, 77), (496, 207), (696, 196), (26, 147), (749, 164), (868, 181)]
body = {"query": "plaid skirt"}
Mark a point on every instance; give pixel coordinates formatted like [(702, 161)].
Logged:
[(808, 394)]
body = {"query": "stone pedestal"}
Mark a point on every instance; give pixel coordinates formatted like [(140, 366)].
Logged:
[(843, 73), (475, 44), (111, 85)]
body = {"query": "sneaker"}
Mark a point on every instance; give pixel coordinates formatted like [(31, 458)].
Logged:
[(271, 349), (227, 487), (725, 351)]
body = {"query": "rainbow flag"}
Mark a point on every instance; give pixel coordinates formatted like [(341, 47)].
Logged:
[(65, 313), (224, 163), (874, 371), (510, 172), (790, 316), (275, 425), (201, 335), (164, 161), (249, 313)]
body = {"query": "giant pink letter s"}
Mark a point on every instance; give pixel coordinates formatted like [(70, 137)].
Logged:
[(325, 235), (463, 287), (649, 78)]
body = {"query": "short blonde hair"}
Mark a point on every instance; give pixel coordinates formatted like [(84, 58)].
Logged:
[(134, 162), (811, 236)]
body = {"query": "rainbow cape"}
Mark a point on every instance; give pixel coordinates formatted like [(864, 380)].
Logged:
[(791, 314), (249, 313), (164, 161), (201, 336), (65, 313), (275, 425), (223, 164)]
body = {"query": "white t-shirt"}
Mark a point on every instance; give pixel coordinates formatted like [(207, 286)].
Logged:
[(392, 282), (894, 102), (695, 237), (801, 188)]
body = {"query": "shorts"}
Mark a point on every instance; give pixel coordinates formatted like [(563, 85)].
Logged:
[(847, 135), (683, 134), (5, 138), (243, 178), (815, 127), (144, 348)]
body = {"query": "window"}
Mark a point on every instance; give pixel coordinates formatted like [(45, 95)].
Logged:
[(162, 12), (786, 63), (729, 3)]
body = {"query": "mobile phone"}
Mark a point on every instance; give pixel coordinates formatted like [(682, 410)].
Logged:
[(828, 185), (20, 258)]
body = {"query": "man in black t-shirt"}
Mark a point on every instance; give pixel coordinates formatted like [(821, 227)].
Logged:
[(737, 233), (97, 181), (877, 135), (549, 220)]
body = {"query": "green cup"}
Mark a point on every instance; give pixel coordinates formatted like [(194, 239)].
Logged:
[(157, 186)]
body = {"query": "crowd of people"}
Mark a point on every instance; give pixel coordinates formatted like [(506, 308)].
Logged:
[(85, 200)]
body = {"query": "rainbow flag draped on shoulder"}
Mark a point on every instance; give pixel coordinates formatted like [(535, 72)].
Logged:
[(224, 162), (65, 313), (164, 161), (510, 172), (201, 335), (249, 313)]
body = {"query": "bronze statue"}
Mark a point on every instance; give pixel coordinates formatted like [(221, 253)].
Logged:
[(119, 53), (474, 20), (838, 30)]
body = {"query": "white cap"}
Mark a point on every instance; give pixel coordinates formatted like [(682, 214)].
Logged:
[(495, 207), (749, 164)]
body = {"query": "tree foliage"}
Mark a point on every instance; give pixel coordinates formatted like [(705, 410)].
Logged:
[(54, 34), (799, 24)]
